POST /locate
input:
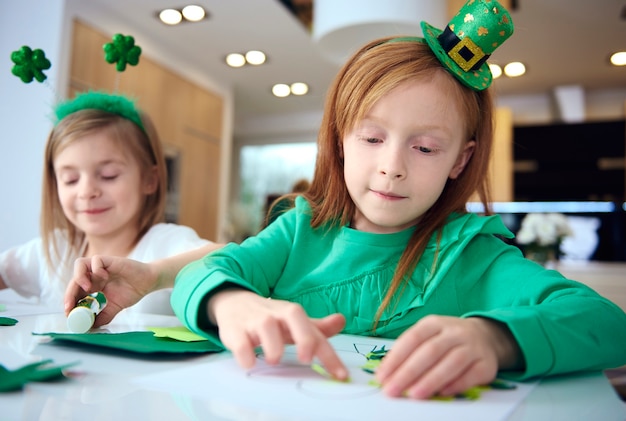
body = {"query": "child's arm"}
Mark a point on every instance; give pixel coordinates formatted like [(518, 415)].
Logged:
[(442, 355), (125, 281), (272, 324)]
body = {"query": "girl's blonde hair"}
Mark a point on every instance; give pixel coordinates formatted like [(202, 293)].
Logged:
[(369, 74), (144, 147)]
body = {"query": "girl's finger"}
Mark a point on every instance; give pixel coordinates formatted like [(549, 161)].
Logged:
[(312, 342), (470, 377), (448, 368), (242, 348), (405, 348), (331, 361), (271, 339), (331, 325)]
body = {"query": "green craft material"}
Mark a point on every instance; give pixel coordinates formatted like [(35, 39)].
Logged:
[(35, 372), (139, 342), (7, 321), (179, 333), (321, 370)]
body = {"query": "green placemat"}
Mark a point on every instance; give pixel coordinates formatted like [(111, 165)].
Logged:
[(7, 321), (140, 342)]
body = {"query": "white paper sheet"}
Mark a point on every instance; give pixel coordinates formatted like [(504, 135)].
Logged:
[(295, 391)]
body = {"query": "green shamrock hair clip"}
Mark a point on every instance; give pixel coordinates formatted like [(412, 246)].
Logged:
[(29, 64), (122, 51)]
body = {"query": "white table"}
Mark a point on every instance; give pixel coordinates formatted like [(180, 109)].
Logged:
[(607, 278), (102, 388)]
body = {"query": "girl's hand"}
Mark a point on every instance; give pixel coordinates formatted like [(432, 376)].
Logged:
[(444, 356), (123, 281), (246, 320)]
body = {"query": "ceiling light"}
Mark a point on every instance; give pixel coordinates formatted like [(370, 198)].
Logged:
[(619, 58), (235, 60), (170, 16), (193, 13), (281, 90), (496, 71), (514, 69), (299, 88), (190, 13), (255, 57), (252, 57)]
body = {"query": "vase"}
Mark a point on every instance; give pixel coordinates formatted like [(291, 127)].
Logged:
[(544, 255)]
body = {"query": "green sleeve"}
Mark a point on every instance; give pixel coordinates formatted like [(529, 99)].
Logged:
[(249, 265), (560, 325)]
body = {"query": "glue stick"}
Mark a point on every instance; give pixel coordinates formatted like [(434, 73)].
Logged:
[(81, 318)]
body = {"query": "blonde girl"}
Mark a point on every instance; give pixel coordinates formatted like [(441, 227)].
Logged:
[(104, 191)]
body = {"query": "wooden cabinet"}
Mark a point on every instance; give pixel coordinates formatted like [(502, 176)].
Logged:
[(187, 117), (500, 171), (501, 165), (571, 162)]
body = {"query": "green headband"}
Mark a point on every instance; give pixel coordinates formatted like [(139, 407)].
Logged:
[(114, 104)]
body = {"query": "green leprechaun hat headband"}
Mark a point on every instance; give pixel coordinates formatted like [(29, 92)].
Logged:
[(469, 39)]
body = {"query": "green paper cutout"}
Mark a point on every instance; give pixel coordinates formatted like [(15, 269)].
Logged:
[(7, 321), (321, 370), (139, 342), (179, 333), (34, 372)]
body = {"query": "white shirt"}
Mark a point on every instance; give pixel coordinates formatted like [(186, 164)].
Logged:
[(25, 270)]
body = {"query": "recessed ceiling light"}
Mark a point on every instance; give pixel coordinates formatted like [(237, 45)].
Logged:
[(255, 57), (190, 13), (281, 90), (514, 69), (252, 57), (619, 58), (170, 16), (193, 13), (235, 60), (496, 71), (299, 88)]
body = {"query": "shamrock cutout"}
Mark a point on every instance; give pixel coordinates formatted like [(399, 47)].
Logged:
[(29, 64), (123, 51)]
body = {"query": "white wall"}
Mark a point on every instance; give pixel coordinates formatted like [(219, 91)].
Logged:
[(24, 113)]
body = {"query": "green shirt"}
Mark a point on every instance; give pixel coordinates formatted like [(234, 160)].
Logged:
[(559, 324)]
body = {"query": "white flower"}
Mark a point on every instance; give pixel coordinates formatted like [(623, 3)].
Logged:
[(544, 229)]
